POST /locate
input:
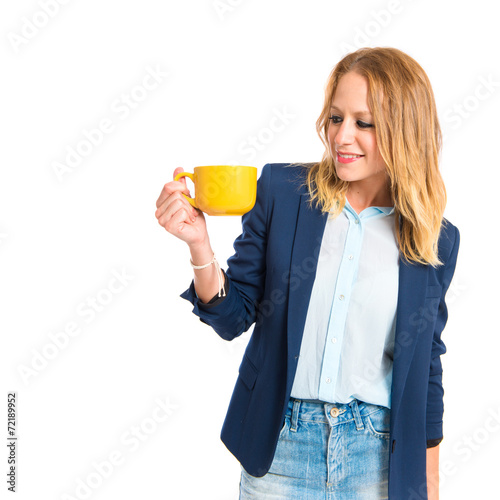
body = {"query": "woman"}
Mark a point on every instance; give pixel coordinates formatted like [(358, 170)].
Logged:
[(343, 266)]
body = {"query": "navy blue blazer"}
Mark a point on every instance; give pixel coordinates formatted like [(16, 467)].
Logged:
[(270, 279)]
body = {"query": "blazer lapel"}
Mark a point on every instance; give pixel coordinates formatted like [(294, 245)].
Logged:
[(309, 230)]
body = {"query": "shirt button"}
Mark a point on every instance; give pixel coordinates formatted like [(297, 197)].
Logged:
[(351, 257), (334, 412), (356, 221), (328, 380), (341, 297), (334, 340)]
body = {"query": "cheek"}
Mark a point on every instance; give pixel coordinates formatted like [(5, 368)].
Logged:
[(371, 146), (379, 162), (331, 138)]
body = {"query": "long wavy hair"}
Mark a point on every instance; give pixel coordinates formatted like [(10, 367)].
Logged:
[(409, 138)]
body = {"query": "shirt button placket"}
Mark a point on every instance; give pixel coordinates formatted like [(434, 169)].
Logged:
[(345, 276)]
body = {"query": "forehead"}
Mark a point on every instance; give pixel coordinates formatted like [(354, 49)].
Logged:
[(351, 94)]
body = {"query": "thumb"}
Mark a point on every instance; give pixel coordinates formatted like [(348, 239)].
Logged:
[(182, 180), (178, 170)]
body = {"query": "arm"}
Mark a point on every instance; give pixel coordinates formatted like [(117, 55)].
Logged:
[(433, 473), (206, 281), (246, 272), (434, 420), (435, 393)]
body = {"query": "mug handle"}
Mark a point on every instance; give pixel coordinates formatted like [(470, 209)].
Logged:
[(186, 174)]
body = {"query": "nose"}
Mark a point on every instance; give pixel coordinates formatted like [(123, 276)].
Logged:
[(345, 134)]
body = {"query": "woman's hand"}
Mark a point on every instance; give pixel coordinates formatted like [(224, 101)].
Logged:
[(178, 216), (181, 219)]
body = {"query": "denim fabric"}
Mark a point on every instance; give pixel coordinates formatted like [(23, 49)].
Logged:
[(327, 451)]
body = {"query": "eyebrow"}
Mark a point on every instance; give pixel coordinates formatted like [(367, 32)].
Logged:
[(361, 112)]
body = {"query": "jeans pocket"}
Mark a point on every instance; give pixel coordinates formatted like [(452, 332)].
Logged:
[(284, 427), (379, 422)]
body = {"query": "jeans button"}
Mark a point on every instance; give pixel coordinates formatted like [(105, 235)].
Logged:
[(334, 412)]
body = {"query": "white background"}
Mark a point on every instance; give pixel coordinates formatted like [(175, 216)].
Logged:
[(224, 70)]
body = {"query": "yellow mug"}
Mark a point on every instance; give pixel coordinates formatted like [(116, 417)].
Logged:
[(223, 189)]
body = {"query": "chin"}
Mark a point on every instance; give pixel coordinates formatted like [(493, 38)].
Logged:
[(343, 175)]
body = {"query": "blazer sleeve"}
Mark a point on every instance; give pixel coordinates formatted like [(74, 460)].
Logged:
[(435, 409), (245, 273)]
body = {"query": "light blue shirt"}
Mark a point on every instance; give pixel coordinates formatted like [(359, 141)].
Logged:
[(348, 342)]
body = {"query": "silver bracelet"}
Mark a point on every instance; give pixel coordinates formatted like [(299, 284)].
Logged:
[(219, 274)]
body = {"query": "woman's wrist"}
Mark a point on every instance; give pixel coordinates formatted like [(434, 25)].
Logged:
[(201, 253), (208, 277)]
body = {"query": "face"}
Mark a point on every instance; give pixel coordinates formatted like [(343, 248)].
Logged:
[(351, 134)]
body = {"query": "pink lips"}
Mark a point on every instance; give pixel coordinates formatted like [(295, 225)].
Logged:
[(347, 160)]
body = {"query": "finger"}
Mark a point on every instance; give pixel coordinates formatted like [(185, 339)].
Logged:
[(172, 187), (172, 204), (182, 180), (178, 170), (175, 218), (180, 220), (179, 199)]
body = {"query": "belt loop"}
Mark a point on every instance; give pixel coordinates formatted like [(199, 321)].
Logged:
[(295, 415), (357, 416)]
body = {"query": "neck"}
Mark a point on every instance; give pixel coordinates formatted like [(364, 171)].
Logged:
[(360, 198)]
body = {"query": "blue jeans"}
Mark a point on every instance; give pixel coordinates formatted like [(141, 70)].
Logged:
[(327, 451)]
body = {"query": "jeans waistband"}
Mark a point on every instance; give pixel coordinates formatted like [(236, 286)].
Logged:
[(330, 413)]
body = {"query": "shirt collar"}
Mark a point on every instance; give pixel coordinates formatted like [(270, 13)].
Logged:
[(369, 211)]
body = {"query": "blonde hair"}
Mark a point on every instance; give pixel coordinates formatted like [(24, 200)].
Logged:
[(409, 139)]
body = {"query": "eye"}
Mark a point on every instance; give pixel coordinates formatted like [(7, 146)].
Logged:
[(363, 124)]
